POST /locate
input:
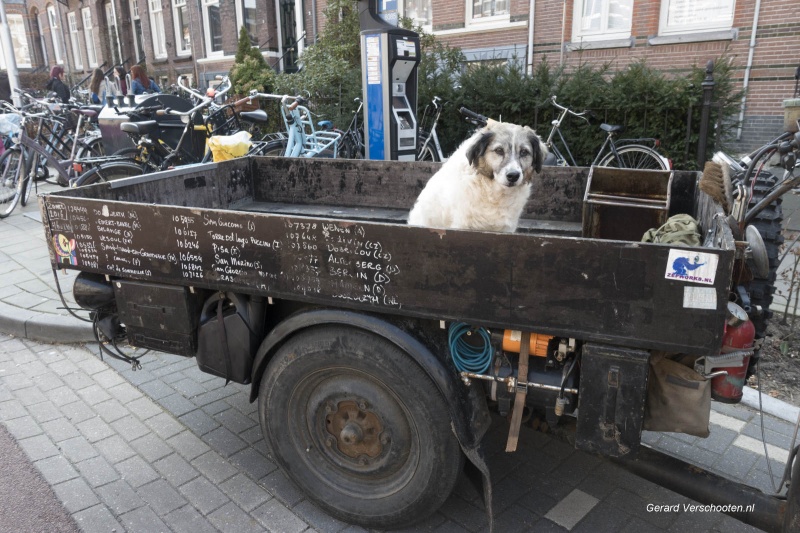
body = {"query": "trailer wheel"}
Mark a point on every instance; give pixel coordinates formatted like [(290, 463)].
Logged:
[(359, 427)]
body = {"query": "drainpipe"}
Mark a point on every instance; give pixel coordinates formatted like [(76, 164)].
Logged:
[(531, 9), (563, 30), (11, 60), (314, 19), (746, 81)]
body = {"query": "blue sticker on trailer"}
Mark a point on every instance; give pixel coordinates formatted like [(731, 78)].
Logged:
[(375, 134)]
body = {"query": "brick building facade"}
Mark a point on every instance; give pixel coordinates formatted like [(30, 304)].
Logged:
[(198, 38)]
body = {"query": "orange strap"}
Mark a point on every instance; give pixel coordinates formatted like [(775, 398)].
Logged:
[(522, 392)]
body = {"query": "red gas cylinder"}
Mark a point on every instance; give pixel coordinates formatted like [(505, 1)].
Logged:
[(739, 336)]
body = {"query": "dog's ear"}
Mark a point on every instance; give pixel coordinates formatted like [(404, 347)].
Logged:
[(479, 147), (538, 148)]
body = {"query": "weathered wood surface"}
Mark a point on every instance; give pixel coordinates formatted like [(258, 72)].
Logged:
[(608, 291)]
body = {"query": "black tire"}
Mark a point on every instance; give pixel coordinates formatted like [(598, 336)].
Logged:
[(427, 153), (90, 149), (350, 147), (109, 172), (635, 156), (12, 172), (769, 223), (359, 427), (274, 149)]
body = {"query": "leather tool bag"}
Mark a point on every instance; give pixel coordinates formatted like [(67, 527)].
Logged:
[(678, 398)]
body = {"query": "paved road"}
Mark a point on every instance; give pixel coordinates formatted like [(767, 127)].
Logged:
[(168, 448)]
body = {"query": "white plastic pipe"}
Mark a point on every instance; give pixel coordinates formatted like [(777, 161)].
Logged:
[(746, 80)]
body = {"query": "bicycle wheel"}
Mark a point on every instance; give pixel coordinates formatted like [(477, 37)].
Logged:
[(109, 172), (427, 153), (350, 147), (635, 156), (12, 172), (90, 148), (274, 149)]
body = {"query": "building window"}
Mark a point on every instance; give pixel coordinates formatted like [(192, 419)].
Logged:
[(479, 11), (22, 53), (137, 30), (113, 42), (420, 12), (213, 27), (73, 37), (695, 16), (246, 16), (183, 36), (601, 20), (55, 33), (157, 29), (88, 32)]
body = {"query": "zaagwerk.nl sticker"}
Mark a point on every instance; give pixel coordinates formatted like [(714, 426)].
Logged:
[(692, 266)]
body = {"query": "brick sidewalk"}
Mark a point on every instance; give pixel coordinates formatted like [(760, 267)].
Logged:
[(168, 448)]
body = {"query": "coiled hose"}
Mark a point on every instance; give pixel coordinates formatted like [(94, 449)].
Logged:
[(467, 357)]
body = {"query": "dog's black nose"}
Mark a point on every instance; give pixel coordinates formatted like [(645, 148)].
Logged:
[(512, 177)]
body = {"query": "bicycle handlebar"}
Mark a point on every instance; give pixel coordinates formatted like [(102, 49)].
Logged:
[(473, 117), (568, 110), (207, 101)]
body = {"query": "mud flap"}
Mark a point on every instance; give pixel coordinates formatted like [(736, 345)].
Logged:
[(613, 391)]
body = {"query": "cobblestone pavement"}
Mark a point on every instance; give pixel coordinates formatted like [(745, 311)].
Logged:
[(169, 448)]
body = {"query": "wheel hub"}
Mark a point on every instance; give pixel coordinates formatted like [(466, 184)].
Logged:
[(356, 431)]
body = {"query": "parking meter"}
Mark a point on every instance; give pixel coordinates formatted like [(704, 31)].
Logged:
[(389, 60)]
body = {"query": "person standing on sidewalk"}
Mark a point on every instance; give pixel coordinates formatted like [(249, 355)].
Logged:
[(57, 85)]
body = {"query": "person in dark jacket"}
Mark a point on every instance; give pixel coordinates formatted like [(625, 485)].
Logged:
[(57, 85), (119, 77)]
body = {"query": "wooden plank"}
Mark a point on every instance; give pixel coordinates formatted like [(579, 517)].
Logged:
[(607, 291)]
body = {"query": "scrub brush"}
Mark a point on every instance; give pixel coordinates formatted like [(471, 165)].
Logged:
[(712, 182)]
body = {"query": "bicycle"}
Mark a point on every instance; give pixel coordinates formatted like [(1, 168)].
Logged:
[(19, 165), (351, 143), (622, 153), (302, 139), (429, 148), (152, 153)]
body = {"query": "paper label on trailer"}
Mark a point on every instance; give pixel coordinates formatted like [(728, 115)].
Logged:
[(699, 298), (692, 266)]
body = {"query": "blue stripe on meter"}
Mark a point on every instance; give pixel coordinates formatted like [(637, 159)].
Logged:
[(376, 127)]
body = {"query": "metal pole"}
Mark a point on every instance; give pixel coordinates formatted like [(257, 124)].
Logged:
[(708, 91), (116, 28), (8, 50)]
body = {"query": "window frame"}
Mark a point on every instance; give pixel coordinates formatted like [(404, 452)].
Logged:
[(55, 32), (136, 20), (482, 22), (427, 27), (704, 26), (180, 48), (240, 21), (205, 4), (88, 34), (157, 30), (19, 24), (580, 35), (72, 22), (112, 32)]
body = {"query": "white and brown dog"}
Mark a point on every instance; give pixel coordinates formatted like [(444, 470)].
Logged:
[(485, 184)]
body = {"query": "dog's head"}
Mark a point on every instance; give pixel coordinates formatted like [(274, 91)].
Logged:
[(507, 153)]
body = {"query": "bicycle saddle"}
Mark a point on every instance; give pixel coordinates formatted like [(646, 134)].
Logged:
[(89, 111), (258, 115), (610, 128), (139, 128), (326, 125)]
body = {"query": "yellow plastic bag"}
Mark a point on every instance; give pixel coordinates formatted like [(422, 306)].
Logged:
[(224, 147)]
